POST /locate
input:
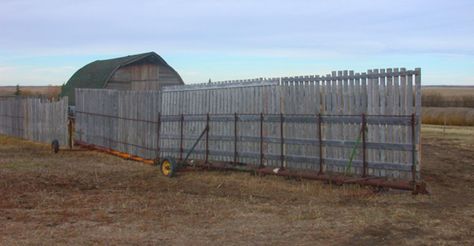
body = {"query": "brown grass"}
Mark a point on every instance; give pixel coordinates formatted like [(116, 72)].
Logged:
[(448, 116), (448, 105), (456, 96), (449, 91), (94, 198), (48, 91)]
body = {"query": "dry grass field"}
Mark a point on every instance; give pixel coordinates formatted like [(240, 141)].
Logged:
[(31, 90), (87, 198), (451, 105), (448, 115), (448, 91)]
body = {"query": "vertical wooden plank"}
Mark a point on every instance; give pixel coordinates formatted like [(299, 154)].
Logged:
[(389, 111), (324, 91), (365, 92), (396, 111), (349, 100), (418, 116), (226, 125), (403, 111), (317, 87), (377, 107), (383, 111), (331, 82), (334, 109), (370, 111), (357, 111), (357, 94), (410, 103), (317, 91), (343, 110)]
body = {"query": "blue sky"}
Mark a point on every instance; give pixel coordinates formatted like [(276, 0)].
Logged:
[(45, 42)]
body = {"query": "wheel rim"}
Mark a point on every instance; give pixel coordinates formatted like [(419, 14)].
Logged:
[(166, 167)]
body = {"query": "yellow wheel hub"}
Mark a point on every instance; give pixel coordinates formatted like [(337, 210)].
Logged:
[(166, 167)]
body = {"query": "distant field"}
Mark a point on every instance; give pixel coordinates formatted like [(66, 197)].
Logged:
[(450, 105), (449, 91), (448, 96), (448, 116), (31, 90)]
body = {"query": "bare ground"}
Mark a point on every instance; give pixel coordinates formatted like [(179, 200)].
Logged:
[(86, 197)]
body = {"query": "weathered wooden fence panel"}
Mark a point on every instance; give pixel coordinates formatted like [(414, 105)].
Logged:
[(34, 119), (126, 121), (278, 122)]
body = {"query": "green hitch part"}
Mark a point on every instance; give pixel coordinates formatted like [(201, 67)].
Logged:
[(353, 151)]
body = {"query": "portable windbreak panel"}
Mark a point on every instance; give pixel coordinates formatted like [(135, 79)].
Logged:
[(343, 122)]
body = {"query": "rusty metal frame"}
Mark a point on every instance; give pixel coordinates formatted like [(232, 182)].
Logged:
[(413, 152), (416, 188), (320, 138), (158, 130), (236, 119), (413, 184), (261, 140), (206, 129), (70, 126), (181, 137), (364, 147), (207, 138), (282, 142)]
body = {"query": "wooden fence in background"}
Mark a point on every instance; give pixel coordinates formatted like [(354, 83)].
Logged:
[(34, 119), (126, 121), (301, 123)]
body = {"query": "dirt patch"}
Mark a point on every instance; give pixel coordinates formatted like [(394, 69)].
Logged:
[(94, 198)]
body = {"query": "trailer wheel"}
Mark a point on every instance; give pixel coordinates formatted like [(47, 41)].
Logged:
[(55, 146), (168, 167)]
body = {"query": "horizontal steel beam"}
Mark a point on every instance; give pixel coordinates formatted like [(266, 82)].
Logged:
[(402, 120), (416, 188), (300, 158), (297, 141)]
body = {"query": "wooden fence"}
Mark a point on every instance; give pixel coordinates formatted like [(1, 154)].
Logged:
[(302, 123), (34, 119), (125, 121)]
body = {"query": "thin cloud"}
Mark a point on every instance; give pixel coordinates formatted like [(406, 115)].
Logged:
[(303, 32)]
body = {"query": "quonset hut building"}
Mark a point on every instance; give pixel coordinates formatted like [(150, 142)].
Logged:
[(147, 71)]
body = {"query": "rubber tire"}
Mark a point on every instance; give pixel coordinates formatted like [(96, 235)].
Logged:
[(55, 146), (173, 167)]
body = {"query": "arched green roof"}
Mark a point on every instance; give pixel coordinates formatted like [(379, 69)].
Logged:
[(96, 74)]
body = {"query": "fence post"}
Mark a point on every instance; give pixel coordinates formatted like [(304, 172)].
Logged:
[(181, 137), (235, 137), (69, 128), (207, 138), (158, 137), (364, 149), (261, 140), (282, 142), (320, 138), (413, 150)]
